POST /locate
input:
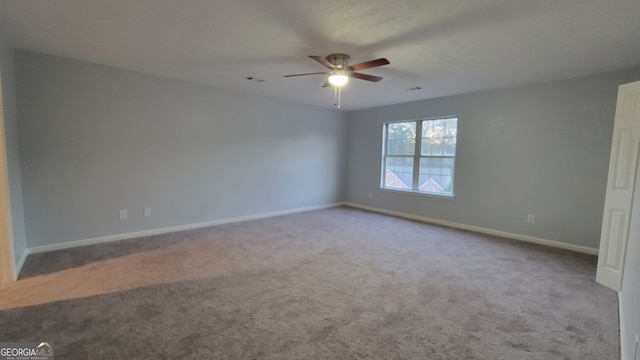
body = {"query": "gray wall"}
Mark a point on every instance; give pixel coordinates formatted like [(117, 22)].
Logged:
[(540, 150), (95, 139), (13, 157)]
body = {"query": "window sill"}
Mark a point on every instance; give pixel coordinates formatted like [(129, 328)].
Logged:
[(411, 192)]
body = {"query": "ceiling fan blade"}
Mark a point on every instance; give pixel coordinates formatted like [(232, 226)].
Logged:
[(323, 61), (326, 84), (366, 77), (315, 73), (368, 64)]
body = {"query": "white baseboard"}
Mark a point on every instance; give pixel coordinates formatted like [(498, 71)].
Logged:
[(526, 238), (21, 262), (131, 235), (117, 237)]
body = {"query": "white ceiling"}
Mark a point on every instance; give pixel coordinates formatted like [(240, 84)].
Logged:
[(444, 47)]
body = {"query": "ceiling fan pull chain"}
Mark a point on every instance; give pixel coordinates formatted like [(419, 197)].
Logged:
[(337, 95)]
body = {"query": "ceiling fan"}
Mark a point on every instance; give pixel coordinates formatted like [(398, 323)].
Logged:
[(341, 71)]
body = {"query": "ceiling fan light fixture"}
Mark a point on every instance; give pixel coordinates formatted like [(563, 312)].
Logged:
[(341, 71), (339, 78)]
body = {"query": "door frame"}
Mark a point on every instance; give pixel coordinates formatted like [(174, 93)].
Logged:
[(7, 261)]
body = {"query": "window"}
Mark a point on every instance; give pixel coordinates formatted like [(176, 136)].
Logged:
[(420, 155)]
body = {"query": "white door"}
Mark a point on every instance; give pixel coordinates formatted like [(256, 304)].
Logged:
[(620, 187)]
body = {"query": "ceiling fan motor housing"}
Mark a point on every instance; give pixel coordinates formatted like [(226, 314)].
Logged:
[(341, 61)]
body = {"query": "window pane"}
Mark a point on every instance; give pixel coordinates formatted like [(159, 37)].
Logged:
[(401, 138), (451, 128), (447, 184), (436, 175), (433, 135), (399, 172), (447, 166), (426, 146), (450, 147), (438, 129), (436, 147), (435, 165)]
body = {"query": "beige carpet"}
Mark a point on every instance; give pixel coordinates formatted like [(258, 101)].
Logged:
[(331, 284)]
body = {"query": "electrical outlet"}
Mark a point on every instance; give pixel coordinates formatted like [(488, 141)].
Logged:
[(147, 211), (123, 214), (302, 195), (531, 219), (370, 195)]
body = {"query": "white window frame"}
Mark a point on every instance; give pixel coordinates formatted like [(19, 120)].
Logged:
[(416, 157)]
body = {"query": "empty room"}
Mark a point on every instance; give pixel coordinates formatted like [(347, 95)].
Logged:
[(297, 179)]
